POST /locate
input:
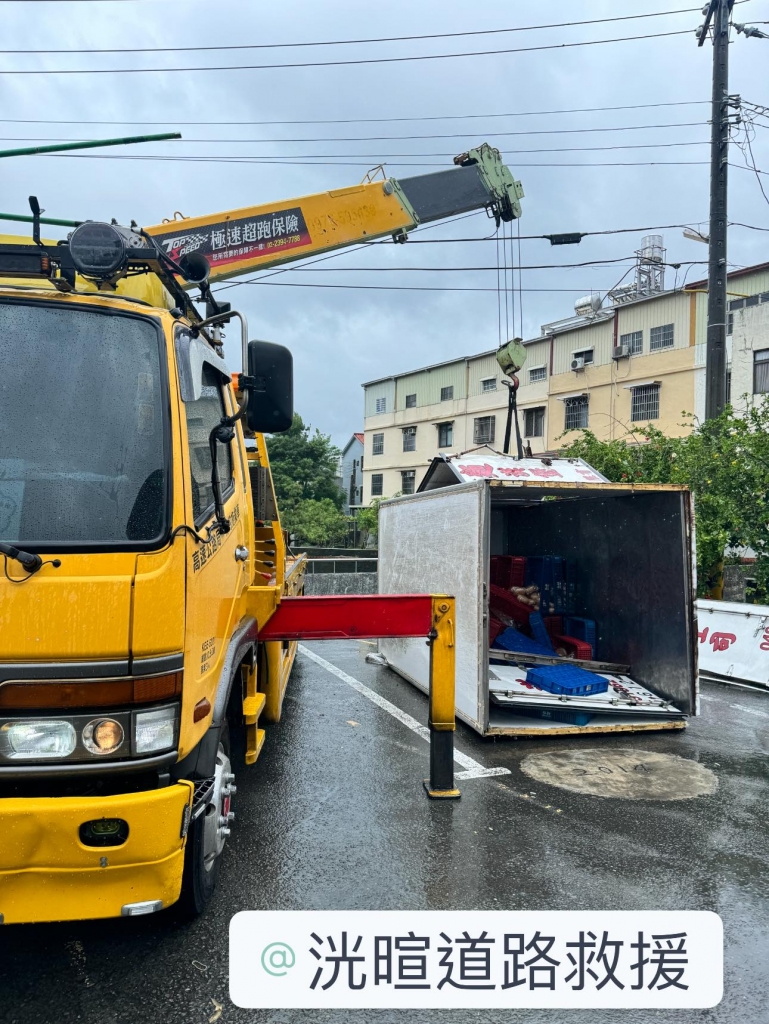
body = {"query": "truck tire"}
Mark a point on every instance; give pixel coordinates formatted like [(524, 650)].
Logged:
[(207, 837)]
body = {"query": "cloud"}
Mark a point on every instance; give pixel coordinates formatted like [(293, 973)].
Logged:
[(342, 338)]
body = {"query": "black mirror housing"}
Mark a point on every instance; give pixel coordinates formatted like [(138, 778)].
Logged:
[(271, 400)]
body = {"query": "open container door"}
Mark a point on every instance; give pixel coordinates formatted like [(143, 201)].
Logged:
[(438, 543), (631, 546)]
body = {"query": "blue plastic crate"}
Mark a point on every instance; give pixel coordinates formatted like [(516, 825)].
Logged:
[(538, 629), (512, 640), (567, 679), (582, 629), (556, 715)]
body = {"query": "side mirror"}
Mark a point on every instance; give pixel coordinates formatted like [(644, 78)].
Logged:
[(271, 403)]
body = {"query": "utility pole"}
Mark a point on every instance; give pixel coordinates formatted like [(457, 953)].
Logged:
[(717, 14)]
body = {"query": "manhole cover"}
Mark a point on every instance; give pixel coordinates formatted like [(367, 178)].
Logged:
[(622, 774)]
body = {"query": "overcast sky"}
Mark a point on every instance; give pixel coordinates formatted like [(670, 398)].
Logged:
[(343, 337)]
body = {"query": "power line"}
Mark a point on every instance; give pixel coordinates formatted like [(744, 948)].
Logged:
[(366, 120), (734, 224), (389, 287), (455, 270), (356, 42), (397, 156), (271, 162), (341, 63)]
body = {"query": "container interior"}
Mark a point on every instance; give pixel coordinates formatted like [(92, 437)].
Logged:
[(629, 560)]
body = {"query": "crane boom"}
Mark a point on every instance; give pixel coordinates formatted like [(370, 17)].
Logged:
[(267, 235)]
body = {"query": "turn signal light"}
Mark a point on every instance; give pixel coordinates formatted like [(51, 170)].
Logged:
[(84, 694)]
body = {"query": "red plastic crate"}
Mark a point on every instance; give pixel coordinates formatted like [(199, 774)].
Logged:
[(495, 628), (508, 571), (507, 603), (553, 624), (576, 648)]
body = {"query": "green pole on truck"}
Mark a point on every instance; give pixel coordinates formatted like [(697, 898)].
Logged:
[(89, 144), (61, 147)]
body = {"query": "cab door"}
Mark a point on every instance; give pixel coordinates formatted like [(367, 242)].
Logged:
[(217, 568)]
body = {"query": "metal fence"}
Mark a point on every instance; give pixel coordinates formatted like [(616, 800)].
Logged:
[(317, 566)]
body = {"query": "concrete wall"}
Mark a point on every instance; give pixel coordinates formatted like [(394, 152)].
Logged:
[(340, 583)]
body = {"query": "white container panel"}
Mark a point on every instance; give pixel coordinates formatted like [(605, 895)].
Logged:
[(414, 558)]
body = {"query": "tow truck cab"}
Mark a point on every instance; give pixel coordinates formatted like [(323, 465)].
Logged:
[(119, 654)]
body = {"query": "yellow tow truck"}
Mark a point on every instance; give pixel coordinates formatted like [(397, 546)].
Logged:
[(148, 612)]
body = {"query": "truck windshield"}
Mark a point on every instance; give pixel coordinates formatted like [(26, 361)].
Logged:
[(82, 460)]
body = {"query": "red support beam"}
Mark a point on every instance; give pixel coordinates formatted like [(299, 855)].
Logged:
[(355, 617)]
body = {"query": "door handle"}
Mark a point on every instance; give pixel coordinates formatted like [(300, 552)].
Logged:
[(241, 553)]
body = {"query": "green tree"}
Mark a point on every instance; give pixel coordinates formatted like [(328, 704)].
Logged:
[(317, 522), (368, 518), (303, 466), (725, 463)]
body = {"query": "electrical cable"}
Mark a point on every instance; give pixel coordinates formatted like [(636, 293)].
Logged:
[(363, 120), (463, 135), (462, 270), (394, 156), (520, 276), (356, 42), (582, 234), (735, 224), (499, 293), (340, 63), (50, 561), (392, 288), (268, 162)]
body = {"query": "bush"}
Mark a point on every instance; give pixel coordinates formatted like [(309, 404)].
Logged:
[(725, 463)]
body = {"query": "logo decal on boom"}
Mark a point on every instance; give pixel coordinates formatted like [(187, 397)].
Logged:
[(240, 239)]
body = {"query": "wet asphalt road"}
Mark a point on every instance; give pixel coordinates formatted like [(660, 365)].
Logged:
[(334, 817)]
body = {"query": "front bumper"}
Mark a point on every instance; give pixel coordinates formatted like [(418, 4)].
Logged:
[(48, 874)]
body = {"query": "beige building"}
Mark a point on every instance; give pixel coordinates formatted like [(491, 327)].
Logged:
[(609, 369)]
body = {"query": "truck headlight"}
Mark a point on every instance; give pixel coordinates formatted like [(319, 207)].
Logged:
[(155, 730), (103, 736), (31, 740)]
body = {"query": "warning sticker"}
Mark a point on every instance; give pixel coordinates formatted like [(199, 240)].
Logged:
[(232, 241)]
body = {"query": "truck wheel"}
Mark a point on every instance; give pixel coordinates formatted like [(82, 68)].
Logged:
[(207, 836)]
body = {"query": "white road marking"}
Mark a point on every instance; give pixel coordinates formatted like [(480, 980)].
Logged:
[(737, 707), (473, 769)]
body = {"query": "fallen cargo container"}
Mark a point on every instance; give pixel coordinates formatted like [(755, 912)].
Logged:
[(612, 560)]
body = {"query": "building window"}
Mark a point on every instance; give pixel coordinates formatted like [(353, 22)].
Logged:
[(377, 444), (409, 439), (761, 372), (634, 342), (730, 324), (661, 337), (447, 393), (445, 435), (376, 485), (575, 413), (483, 430), (585, 354), (411, 401), (537, 373), (381, 405), (408, 479), (534, 422), (490, 384), (645, 403)]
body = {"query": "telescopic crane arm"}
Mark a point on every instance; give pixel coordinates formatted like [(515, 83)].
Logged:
[(256, 237)]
